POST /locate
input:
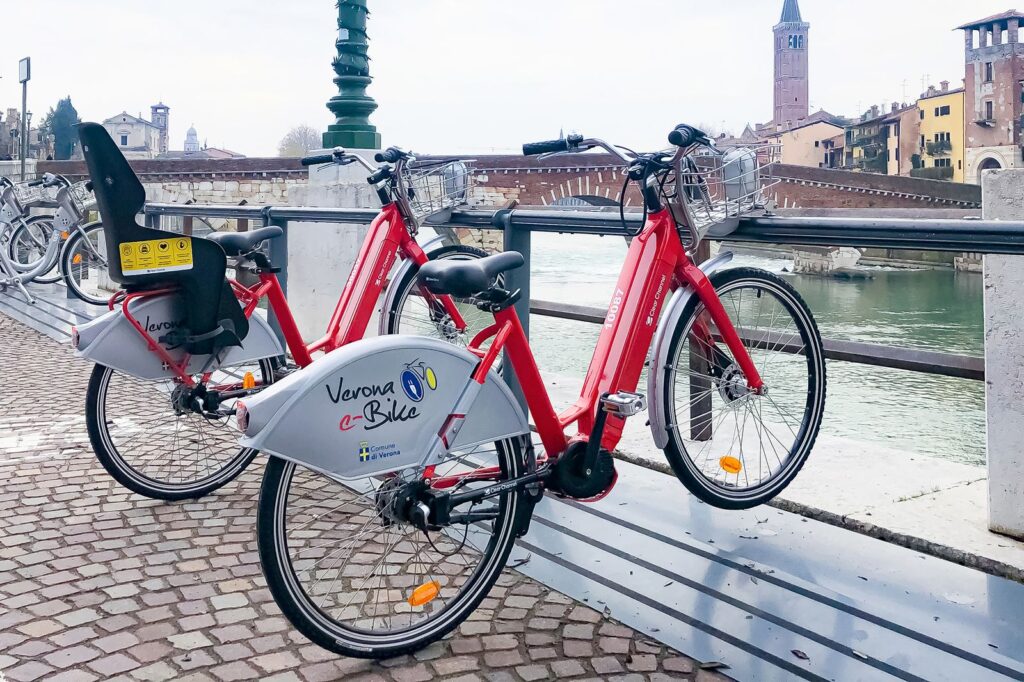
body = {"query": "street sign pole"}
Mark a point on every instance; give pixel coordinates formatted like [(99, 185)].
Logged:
[(24, 75)]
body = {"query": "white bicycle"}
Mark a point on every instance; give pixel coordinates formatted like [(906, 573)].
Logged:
[(80, 262)]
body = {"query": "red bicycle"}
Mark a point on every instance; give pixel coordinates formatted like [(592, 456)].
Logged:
[(182, 343), (392, 499)]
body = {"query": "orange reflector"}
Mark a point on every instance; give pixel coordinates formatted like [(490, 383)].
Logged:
[(425, 593), (731, 465), (76, 259), (248, 381), (64, 234)]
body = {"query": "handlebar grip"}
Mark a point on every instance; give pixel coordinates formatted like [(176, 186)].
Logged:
[(317, 159), (35, 183), (389, 155), (549, 147), (683, 135)]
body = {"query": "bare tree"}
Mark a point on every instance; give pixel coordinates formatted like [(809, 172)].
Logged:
[(714, 130), (299, 141)]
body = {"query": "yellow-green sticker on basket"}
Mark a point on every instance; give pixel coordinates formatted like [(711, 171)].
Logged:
[(156, 255)]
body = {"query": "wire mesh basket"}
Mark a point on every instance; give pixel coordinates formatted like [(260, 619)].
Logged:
[(712, 192), (27, 195), (438, 187), (82, 197)]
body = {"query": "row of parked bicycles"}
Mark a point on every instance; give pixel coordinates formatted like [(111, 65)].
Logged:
[(46, 237), (401, 468)]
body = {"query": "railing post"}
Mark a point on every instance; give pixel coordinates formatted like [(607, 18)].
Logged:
[(279, 259), (1002, 198), (516, 239)]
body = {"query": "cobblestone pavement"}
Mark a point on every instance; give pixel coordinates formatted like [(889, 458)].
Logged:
[(98, 583)]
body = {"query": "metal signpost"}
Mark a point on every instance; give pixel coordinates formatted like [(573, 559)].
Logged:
[(24, 75)]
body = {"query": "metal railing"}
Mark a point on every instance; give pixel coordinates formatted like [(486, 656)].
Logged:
[(963, 235)]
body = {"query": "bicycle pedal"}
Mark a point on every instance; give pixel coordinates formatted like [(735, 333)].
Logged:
[(624, 404)]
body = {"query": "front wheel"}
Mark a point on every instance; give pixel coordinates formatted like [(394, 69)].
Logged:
[(83, 263), (154, 448), (732, 447), (354, 575), (28, 247)]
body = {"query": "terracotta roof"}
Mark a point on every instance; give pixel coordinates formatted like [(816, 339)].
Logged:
[(791, 13), (1009, 14)]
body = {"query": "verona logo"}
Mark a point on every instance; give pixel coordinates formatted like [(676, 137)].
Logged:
[(364, 451), (415, 375)]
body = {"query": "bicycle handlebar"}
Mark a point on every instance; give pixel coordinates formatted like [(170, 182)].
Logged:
[(549, 147), (390, 155), (317, 159), (35, 183)]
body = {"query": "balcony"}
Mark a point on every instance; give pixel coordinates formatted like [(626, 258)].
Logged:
[(945, 173), (940, 148)]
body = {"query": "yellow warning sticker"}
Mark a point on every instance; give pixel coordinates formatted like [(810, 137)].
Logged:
[(156, 255)]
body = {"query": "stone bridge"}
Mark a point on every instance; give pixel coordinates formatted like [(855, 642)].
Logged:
[(598, 180), (205, 181), (593, 179)]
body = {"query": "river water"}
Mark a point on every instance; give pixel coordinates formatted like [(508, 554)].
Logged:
[(928, 309)]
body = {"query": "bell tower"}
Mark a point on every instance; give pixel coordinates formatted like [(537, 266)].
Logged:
[(791, 84)]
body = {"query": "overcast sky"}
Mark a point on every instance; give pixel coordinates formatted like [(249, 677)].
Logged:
[(471, 75)]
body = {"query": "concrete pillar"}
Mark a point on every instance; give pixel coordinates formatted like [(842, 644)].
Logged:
[(1003, 199), (1013, 31), (321, 255)]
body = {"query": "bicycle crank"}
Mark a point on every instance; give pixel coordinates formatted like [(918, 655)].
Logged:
[(569, 475)]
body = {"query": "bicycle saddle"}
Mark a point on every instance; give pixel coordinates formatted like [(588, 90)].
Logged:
[(237, 244), (468, 277)]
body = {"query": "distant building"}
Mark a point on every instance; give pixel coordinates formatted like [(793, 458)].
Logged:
[(138, 138), (884, 143), (792, 95), (805, 145), (193, 150), (941, 145), (191, 141), (993, 80), (40, 143)]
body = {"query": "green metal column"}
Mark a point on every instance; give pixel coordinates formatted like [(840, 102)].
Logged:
[(352, 106)]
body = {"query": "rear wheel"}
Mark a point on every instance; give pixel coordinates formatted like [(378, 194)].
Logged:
[(158, 451), (351, 572), (84, 265), (731, 447)]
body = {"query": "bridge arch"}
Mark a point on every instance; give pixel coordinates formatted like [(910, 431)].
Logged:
[(988, 162), (585, 200)]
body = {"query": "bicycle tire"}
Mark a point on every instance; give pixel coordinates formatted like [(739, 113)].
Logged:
[(692, 475), (132, 477), (67, 267), (317, 624)]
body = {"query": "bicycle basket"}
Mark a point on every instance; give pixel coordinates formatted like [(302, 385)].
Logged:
[(437, 187), (82, 197), (28, 196), (714, 191)]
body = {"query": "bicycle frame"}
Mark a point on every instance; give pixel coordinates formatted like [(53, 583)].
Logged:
[(656, 264), (388, 237)]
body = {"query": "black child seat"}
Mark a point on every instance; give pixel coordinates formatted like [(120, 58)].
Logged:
[(468, 277), (214, 318)]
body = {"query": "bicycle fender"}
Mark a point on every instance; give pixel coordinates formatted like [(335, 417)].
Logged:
[(660, 422), (392, 291), (376, 406), (111, 340)]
